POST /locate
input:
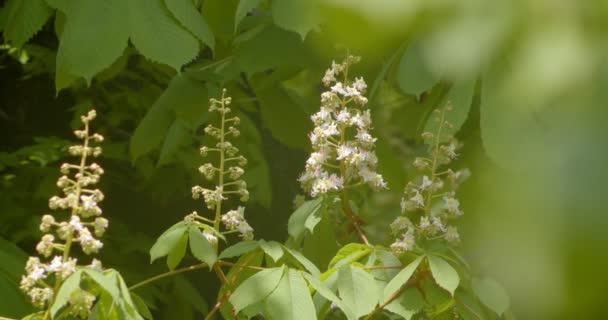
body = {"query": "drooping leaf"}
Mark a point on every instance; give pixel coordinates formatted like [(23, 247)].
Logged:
[(13, 259), (260, 53), (107, 282), (357, 289), (191, 19), (239, 249), (177, 253), (413, 75), (407, 304), (301, 259), (300, 16), (460, 96), (23, 19), (158, 36), (201, 248), (167, 241), (141, 306), (444, 274), (328, 294), (185, 99), (492, 294), (71, 284), (401, 278), (244, 7), (178, 135), (94, 35), (297, 221), (291, 299), (256, 288), (272, 249), (468, 307), (321, 246)]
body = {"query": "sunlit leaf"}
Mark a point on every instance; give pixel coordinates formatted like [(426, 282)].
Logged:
[(444, 274), (256, 288), (291, 299)]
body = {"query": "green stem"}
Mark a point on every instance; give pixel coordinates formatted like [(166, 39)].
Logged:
[(167, 274)]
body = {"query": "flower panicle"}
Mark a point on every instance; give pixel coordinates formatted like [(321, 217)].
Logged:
[(342, 144), (227, 173), (83, 227), (432, 196)]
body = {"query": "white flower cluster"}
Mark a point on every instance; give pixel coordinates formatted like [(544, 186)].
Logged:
[(235, 220), (229, 172), (433, 195), (343, 148), (82, 227)]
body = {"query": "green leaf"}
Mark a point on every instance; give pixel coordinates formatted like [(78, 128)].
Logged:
[(157, 35), (201, 248), (260, 53), (492, 294), (244, 7), (107, 282), (301, 259), (349, 253), (272, 249), (321, 246), (468, 307), (94, 35), (239, 249), (357, 290), (324, 291), (191, 19), (141, 306), (186, 100), (177, 253), (167, 241), (300, 16), (23, 19), (178, 135), (461, 97), (413, 75), (256, 288), (71, 284), (444, 274), (291, 299), (297, 221), (407, 304), (401, 278)]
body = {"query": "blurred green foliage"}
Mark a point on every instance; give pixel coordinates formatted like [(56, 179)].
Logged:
[(528, 81)]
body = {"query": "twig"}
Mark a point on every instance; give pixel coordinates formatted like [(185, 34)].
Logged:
[(167, 274), (228, 293), (387, 302)]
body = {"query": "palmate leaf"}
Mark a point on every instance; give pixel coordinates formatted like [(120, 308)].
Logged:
[(300, 16), (244, 7), (297, 225), (201, 248), (256, 288), (71, 284), (413, 75), (168, 241), (357, 290), (157, 36), (291, 299), (96, 33), (492, 294), (177, 253), (461, 97), (401, 278), (444, 274), (190, 18), (239, 249), (407, 304), (23, 19), (272, 249)]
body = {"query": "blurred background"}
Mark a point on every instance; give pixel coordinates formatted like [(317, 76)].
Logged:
[(528, 80)]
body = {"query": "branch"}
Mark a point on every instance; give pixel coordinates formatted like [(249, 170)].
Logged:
[(167, 274)]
